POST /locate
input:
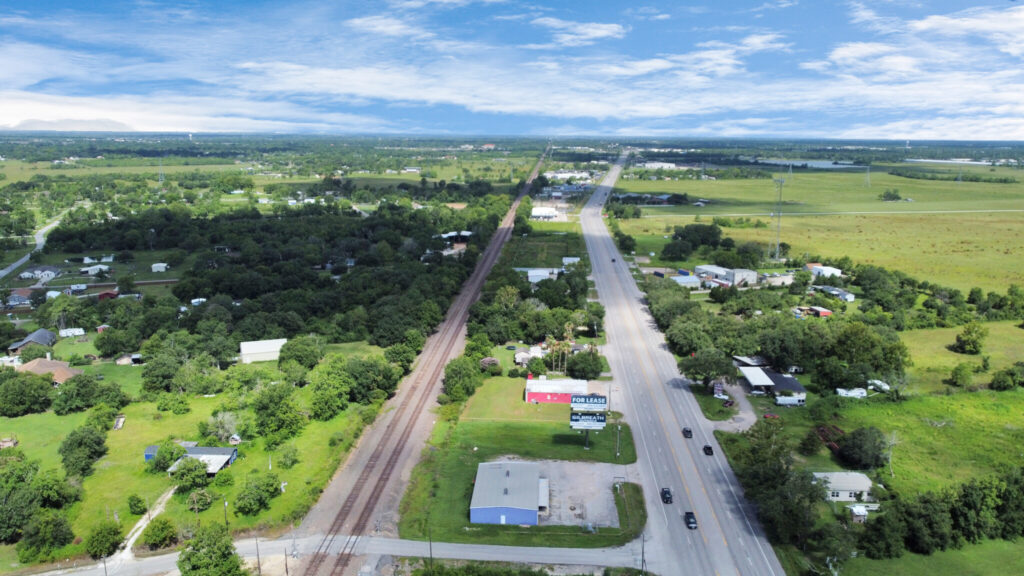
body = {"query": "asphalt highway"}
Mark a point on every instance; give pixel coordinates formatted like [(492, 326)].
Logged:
[(728, 540)]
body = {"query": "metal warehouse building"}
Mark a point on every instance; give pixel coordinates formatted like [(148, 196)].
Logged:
[(508, 493)]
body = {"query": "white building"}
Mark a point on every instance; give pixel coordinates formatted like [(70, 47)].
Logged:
[(95, 269), (260, 350), (543, 213), (569, 261), (741, 276), (71, 332), (159, 267), (658, 166), (845, 486), (713, 272), (826, 271)]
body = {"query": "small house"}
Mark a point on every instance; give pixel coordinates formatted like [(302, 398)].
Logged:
[(845, 486), (60, 372), (42, 337), (215, 458)]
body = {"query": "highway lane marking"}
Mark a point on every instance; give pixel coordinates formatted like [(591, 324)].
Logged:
[(617, 287)]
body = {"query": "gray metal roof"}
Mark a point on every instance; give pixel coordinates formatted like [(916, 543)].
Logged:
[(507, 485)]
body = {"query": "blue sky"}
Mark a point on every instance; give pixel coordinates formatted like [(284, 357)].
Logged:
[(935, 69)]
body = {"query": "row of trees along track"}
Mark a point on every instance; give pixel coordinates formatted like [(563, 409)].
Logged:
[(418, 385)]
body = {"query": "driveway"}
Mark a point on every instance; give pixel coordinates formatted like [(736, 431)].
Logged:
[(745, 418)]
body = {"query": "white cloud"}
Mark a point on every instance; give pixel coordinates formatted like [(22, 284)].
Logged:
[(569, 33), (385, 26), (1005, 28)]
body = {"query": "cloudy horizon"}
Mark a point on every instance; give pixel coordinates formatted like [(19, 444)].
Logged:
[(863, 69)]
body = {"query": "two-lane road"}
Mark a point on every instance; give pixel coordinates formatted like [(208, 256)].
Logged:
[(728, 539)]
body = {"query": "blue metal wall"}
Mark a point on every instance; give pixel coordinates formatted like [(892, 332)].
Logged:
[(493, 516)]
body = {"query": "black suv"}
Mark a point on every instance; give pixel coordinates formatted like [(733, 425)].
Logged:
[(709, 450), (687, 433), (691, 520), (666, 495)]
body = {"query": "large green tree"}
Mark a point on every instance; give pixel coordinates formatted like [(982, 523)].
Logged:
[(706, 365), (80, 450), (23, 393), (210, 553)]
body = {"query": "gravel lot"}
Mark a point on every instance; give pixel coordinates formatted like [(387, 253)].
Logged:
[(580, 492)]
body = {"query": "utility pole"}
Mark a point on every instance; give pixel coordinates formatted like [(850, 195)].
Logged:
[(286, 562), (778, 218), (430, 544), (225, 513), (259, 569)]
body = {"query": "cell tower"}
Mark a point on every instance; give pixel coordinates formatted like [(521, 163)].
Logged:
[(867, 177), (791, 172), (778, 218), (160, 178)]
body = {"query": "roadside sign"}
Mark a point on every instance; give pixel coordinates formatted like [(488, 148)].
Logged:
[(588, 403), (587, 421)]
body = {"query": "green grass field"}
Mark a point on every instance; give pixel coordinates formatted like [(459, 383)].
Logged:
[(975, 247), (497, 422), (933, 361), (986, 559)]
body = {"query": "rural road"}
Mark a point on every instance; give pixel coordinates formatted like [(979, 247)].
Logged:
[(657, 404), (40, 237), (272, 553), (852, 213)]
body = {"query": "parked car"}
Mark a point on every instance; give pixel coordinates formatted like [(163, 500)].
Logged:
[(666, 495), (691, 520), (709, 450), (771, 415), (613, 260), (687, 433)]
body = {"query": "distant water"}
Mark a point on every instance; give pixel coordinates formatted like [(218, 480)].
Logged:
[(963, 161), (816, 164)]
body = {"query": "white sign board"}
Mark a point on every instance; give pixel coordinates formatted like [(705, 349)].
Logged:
[(592, 421), (588, 403)]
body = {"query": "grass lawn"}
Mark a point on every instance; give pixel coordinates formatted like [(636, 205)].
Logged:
[(360, 348), (942, 248), (442, 483), (544, 249), (989, 557), (933, 361), (711, 407)]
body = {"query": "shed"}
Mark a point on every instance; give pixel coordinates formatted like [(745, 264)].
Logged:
[(71, 332), (102, 328), (95, 269), (506, 493), (820, 312), (159, 267), (149, 453), (261, 350), (570, 260), (859, 514), (852, 392), (826, 271)]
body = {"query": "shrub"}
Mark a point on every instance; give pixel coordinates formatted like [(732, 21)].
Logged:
[(44, 533), (962, 375), (174, 403), (191, 474), (103, 540), (199, 500), (259, 490), (136, 505), (289, 456), (81, 448), (160, 533), (167, 454)]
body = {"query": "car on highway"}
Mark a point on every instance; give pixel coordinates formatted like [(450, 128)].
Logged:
[(666, 495), (687, 433), (613, 260), (709, 450), (691, 520), (771, 415)]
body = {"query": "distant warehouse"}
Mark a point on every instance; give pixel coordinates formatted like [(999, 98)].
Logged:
[(261, 350), (508, 493)]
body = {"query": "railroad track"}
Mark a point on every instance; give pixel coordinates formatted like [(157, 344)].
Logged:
[(420, 383)]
